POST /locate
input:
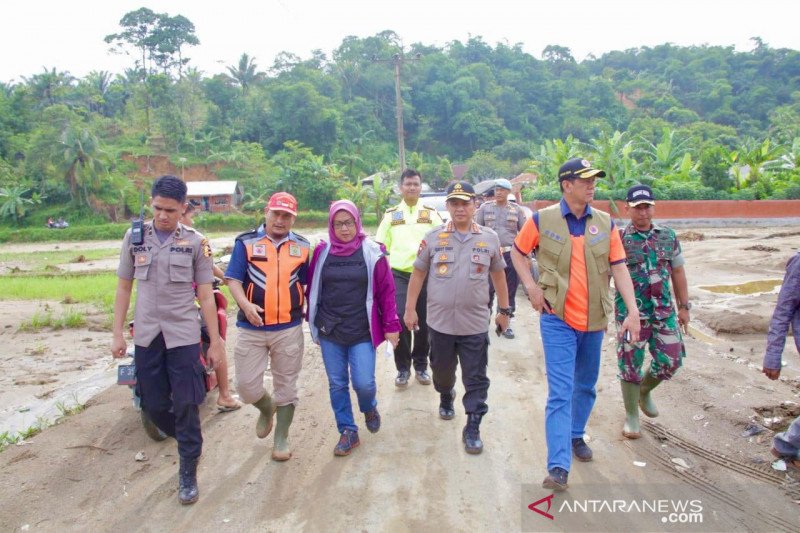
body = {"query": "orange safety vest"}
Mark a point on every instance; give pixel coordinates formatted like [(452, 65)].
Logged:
[(275, 277)]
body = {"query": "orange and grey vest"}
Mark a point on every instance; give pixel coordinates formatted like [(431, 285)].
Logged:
[(275, 277)]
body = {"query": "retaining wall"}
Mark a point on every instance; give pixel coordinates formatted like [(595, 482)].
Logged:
[(703, 209)]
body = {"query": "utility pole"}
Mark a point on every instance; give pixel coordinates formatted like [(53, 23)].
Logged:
[(398, 59)]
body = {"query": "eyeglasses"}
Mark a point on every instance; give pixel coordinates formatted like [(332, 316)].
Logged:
[(346, 224)]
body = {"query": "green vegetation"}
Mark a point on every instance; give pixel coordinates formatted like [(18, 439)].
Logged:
[(34, 261), (695, 122), (8, 438), (40, 320), (96, 289), (68, 410)]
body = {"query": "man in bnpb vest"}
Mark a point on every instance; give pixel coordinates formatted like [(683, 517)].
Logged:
[(578, 250), (266, 276), (170, 379), (654, 259), (458, 259), (400, 231), (506, 219)]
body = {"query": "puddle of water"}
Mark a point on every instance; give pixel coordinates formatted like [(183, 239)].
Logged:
[(750, 287), (705, 337)]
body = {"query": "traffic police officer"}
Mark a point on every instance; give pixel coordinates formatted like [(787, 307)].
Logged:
[(170, 378), (654, 258), (506, 219), (401, 231), (458, 259)]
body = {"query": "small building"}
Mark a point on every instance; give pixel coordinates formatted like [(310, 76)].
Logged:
[(215, 196)]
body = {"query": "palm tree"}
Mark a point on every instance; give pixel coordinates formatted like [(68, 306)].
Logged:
[(48, 86), (245, 73), (81, 150)]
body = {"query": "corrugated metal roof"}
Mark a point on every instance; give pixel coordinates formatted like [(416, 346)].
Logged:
[(210, 188)]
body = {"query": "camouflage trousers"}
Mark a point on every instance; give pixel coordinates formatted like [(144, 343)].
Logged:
[(663, 339)]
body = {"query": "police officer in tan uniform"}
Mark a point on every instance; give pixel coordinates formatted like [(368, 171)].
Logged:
[(506, 219), (458, 258), (170, 377)]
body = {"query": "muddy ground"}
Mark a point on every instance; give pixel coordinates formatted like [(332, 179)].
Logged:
[(414, 475)]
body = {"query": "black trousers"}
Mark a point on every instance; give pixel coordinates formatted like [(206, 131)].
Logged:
[(472, 351), (512, 281), (171, 385), (404, 354)]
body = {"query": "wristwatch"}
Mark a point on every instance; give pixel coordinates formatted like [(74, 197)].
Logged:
[(687, 306), (505, 311)]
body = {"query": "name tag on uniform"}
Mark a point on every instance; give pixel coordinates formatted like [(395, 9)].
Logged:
[(294, 250), (397, 218), (259, 250)]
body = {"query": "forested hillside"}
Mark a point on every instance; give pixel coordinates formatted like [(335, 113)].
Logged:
[(696, 122)]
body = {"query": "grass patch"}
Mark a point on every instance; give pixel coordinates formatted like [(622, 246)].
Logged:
[(97, 289), (69, 410), (45, 319), (7, 439), (35, 261)]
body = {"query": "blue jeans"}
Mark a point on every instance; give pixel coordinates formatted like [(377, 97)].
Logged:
[(572, 361), (342, 362)]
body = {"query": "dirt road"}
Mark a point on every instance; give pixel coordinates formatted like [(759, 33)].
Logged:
[(414, 474)]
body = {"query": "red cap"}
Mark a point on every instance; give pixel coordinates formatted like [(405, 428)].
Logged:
[(283, 201)]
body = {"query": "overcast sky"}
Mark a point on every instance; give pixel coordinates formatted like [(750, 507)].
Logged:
[(69, 35)]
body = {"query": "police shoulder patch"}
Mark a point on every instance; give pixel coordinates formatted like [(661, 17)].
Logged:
[(206, 247)]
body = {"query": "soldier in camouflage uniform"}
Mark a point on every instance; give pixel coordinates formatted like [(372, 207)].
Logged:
[(654, 259)]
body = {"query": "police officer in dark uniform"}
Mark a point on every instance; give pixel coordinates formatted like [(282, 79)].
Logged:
[(170, 377)]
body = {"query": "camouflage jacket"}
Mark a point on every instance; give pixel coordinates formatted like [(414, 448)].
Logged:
[(651, 257)]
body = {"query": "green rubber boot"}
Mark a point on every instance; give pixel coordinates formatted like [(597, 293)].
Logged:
[(645, 401), (280, 450), (264, 424), (630, 395)]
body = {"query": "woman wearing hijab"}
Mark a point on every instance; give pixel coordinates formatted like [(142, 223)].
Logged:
[(351, 310)]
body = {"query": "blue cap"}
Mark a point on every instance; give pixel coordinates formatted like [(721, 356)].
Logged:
[(503, 183)]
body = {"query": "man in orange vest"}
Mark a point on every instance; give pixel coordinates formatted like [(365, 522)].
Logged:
[(266, 276)]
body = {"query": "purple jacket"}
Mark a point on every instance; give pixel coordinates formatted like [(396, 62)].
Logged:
[(381, 306), (787, 311)]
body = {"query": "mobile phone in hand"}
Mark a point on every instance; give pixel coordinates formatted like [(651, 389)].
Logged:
[(498, 330)]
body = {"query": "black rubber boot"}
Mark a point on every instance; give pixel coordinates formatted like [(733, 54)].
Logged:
[(187, 478), (472, 434)]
